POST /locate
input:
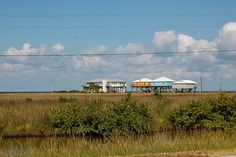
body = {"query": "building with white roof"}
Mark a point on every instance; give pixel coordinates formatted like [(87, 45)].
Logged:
[(184, 86), (162, 84), (143, 84), (106, 85)]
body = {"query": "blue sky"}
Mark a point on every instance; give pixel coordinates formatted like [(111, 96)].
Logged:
[(115, 26)]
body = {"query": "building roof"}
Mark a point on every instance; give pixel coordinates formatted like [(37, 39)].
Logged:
[(163, 79), (108, 80), (143, 80), (95, 80), (115, 80), (185, 82)]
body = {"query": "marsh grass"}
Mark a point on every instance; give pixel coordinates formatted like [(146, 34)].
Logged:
[(162, 142), (28, 113), (23, 114)]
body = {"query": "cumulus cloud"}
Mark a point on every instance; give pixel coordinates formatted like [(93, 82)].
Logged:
[(28, 49), (88, 63), (164, 40), (227, 38), (57, 48), (134, 48), (83, 62), (29, 64), (130, 48)]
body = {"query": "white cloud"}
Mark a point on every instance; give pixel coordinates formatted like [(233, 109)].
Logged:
[(227, 38), (184, 42), (82, 63), (164, 41), (86, 63), (98, 49), (58, 48), (130, 48)]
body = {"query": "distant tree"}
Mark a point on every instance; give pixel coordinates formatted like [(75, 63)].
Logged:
[(94, 87)]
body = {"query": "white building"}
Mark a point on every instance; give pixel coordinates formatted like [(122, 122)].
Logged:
[(184, 86), (106, 85)]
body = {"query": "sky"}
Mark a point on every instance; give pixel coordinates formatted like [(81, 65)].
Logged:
[(188, 28)]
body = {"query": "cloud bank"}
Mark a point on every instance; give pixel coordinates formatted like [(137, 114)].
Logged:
[(212, 66)]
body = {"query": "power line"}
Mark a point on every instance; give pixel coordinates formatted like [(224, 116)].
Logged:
[(103, 27), (58, 15), (130, 53)]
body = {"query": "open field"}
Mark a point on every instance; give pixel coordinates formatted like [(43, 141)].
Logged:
[(176, 98)]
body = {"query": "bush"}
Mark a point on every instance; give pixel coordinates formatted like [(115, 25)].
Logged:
[(217, 112), (66, 119), (226, 108), (97, 119), (132, 118)]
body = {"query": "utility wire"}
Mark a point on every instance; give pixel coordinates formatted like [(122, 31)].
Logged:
[(58, 15), (103, 27), (130, 53)]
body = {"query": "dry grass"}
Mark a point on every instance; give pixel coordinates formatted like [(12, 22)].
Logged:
[(30, 112), (176, 98), (195, 144), (24, 113)]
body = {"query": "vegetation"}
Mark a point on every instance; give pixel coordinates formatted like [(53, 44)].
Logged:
[(106, 114), (163, 144), (139, 124), (97, 119), (94, 87), (219, 112)]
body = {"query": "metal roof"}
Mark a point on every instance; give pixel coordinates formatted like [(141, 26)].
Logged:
[(163, 79), (185, 82), (108, 80), (143, 80)]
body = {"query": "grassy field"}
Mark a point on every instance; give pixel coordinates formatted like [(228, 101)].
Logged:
[(27, 114)]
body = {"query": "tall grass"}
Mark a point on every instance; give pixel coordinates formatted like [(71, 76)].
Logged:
[(24, 114), (29, 113), (157, 143)]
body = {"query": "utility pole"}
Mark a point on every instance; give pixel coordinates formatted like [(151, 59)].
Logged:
[(220, 85), (201, 83)]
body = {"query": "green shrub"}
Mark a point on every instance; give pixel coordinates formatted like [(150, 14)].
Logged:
[(98, 119), (217, 112), (226, 108), (132, 118), (95, 119), (66, 118)]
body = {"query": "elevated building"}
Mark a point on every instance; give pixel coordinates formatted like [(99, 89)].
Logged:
[(143, 84), (184, 86), (162, 84), (106, 86)]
